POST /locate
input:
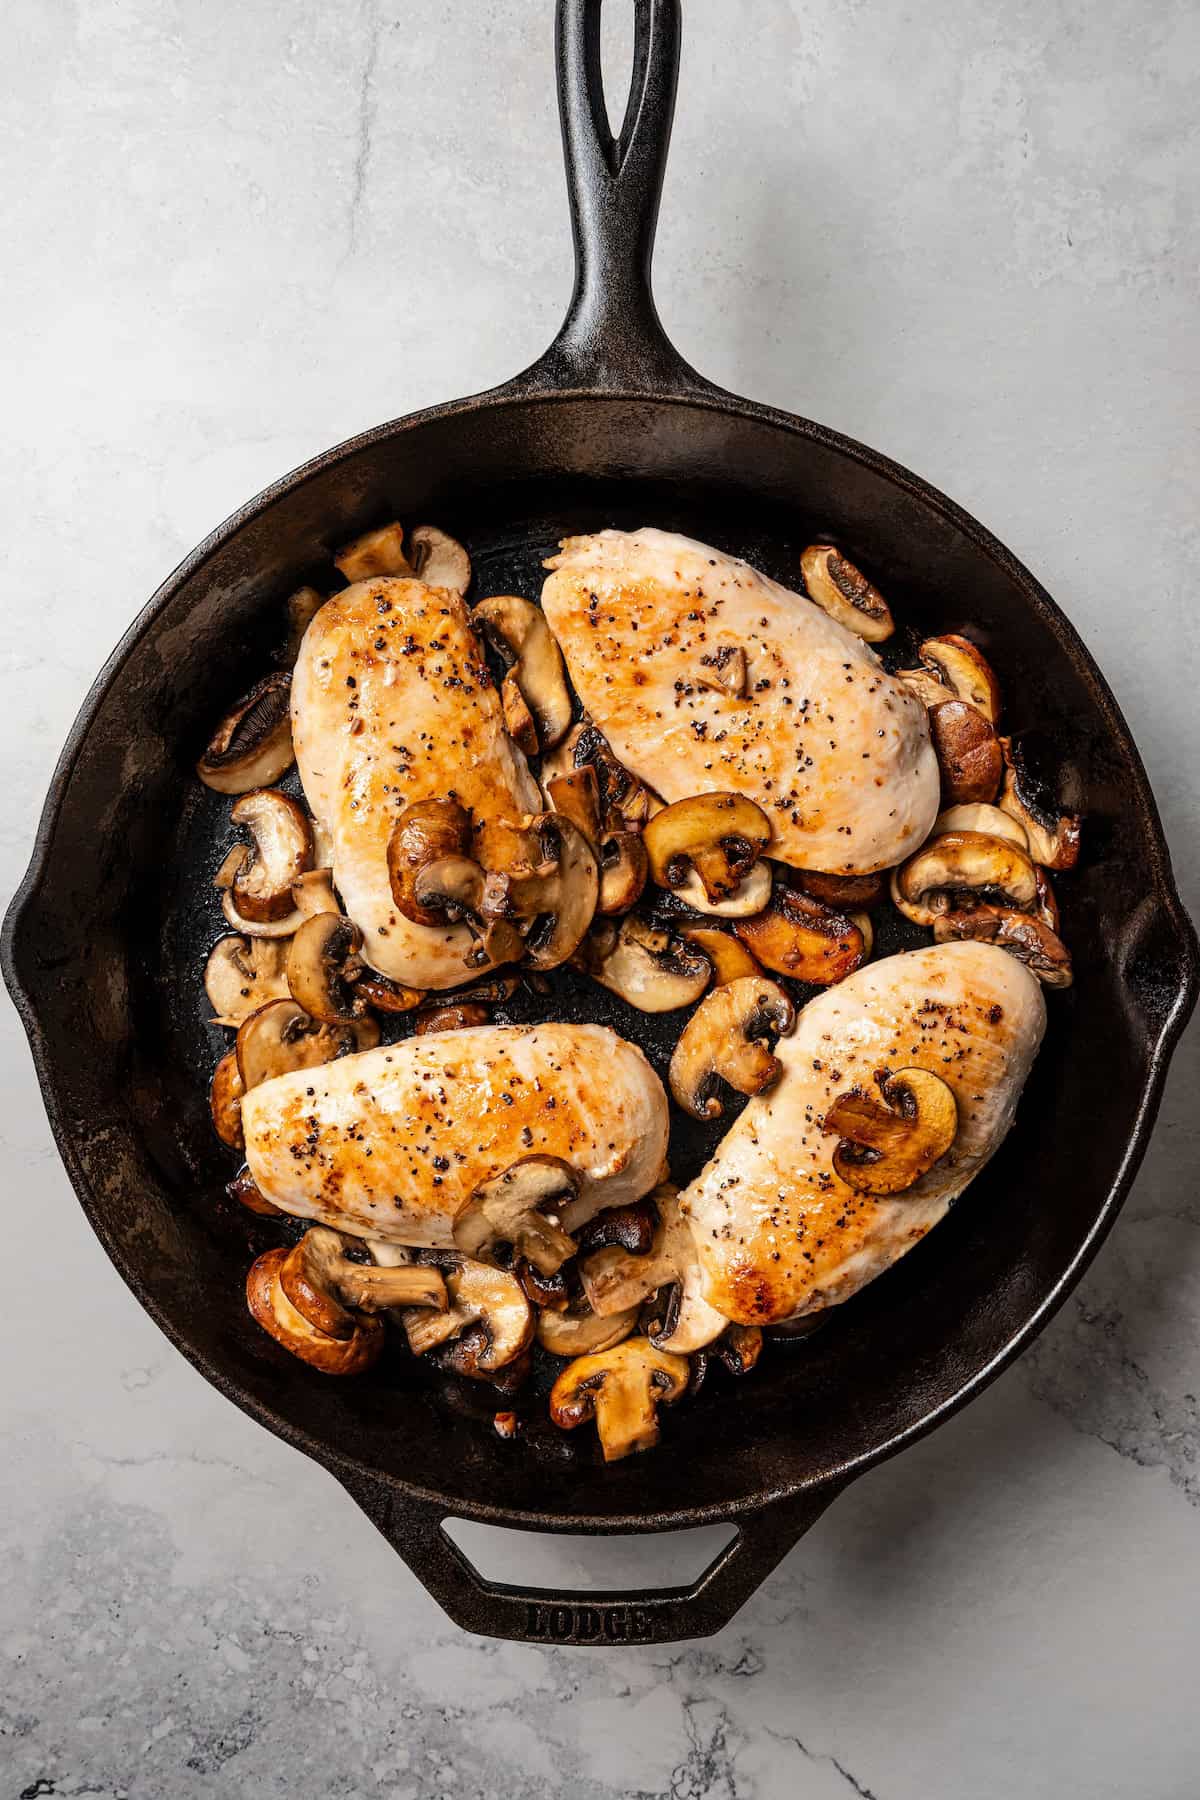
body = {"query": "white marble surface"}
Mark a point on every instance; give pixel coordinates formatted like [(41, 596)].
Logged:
[(235, 233)]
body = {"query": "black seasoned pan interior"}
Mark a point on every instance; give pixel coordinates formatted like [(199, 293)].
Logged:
[(105, 944)]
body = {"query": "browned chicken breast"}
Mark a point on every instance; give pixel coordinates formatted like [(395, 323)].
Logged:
[(778, 1232), (392, 1143), (835, 752)]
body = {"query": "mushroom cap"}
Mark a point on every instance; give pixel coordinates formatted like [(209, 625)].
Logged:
[(615, 1278), (798, 937), (719, 836), (968, 752), (242, 974), (989, 820), (750, 897), (481, 1295), (841, 893), (581, 1332), (225, 1102), (271, 1308), (427, 833), (1053, 834), (645, 966), (959, 862), (281, 1037), (966, 671), (462, 1015), (520, 1206), (842, 591), (726, 1040), (282, 852), (252, 746), (889, 1141), (621, 1389), (323, 966), (543, 878)]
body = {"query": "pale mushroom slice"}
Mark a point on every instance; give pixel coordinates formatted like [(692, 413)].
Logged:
[(521, 1207), (223, 881), (378, 552), (478, 1295), (313, 893), (729, 1039), (281, 1037), (751, 896), (963, 862), (717, 837), (842, 591), (966, 671), (798, 937), (252, 746), (438, 559), (518, 633), (622, 1390), (242, 974), (281, 853), (890, 1139), (324, 969), (580, 1332), (270, 1307), (225, 1102), (989, 820), (614, 1279), (329, 1287), (645, 966)]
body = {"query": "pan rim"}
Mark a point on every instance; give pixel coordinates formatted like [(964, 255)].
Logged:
[(1161, 884)]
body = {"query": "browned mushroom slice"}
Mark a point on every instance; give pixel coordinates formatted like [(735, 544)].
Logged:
[(723, 671), (549, 1291), (244, 1190), (252, 746), (282, 851), (324, 967), (519, 722), (225, 1102), (543, 881), (271, 1308), (797, 937), (843, 893), (281, 1037), (581, 1332), (739, 1348), (479, 1295), (719, 837), (927, 685), (223, 881), (324, 1284), (729, 957), (1053, 834), (966, 671), (632, 1227), (518, 633), (302, 608), (242, 974), (624, 865), (576, 795), (962, 862), (621, 1389), (889, 1140), (521, 1207), (728, 1038), (968, 752), (438, 559), (615, 1278), (842, 591), (646, 967), (620, 792), (378, 552), (429, 833), (458, 1017), (1032, 940)]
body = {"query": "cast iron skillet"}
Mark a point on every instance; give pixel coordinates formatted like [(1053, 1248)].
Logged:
[(103, 944)]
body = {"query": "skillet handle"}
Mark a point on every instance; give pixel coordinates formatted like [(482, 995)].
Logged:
[(612, 339), (414, 1528)]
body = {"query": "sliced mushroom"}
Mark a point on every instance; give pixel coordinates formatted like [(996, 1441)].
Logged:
[(621, 1389), (576, 794), (323, 969), (843, 893), (739, 1348), (271, 1308), (225, 1102), (889, 1140), (378, 552), (987, 819), (632, 1228), (623, 862), (966, 671), (862, 922), (968, 752), (1046, 904), (252, 746), (223, 880), (244, 1190), (643, 965), (521, 1207), (1032, 940), (842, 591), (281, 853), (281, 1037), (614, 1279), (313, 893), (518, 633), (728, 1038), (729, 957), (723, 671), (460, 1017), (800, 938), (302, 608), (425, 835), (519, 722), (620, 791), (479, 1295), (751, 896), (549, 1291), (1054, 835), (542, 879), (718, 836), (581, 1332), (962, 862), (242, 974), (324, 1284), (927, 685), (438, 559)]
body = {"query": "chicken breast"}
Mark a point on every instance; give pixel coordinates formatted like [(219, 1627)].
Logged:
[(777, 1232), (392, 1143), (834, 750), (392, 703)]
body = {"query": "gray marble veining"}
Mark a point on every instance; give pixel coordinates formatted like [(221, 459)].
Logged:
[(237, 233)]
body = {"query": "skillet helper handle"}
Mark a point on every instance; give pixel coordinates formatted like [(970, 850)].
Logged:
[(415, 1529), (612, 339)]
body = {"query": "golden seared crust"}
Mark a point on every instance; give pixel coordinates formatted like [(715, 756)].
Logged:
[(834, 750), (392, 1143), (778, 1233), (392, 703)]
